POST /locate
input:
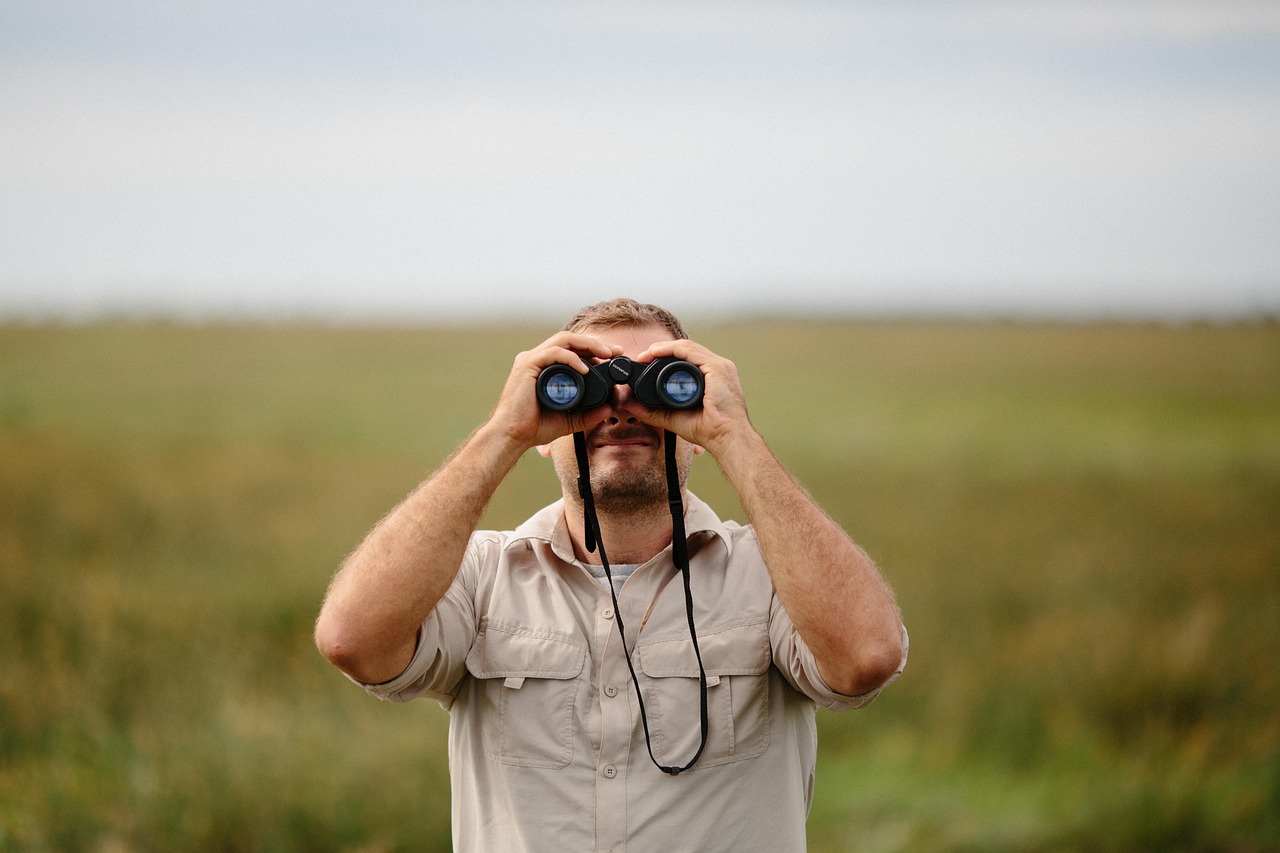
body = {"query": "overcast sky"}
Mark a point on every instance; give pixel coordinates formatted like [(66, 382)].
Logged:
[(418, 159)]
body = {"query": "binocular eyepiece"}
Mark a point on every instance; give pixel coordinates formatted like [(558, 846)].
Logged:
[(664, 383)]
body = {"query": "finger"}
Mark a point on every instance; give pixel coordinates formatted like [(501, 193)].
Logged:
[(683, 349), (583, 344), (562, 355), (550, 354)]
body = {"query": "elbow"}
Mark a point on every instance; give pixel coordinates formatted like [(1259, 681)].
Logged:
[(369, 658), (341, 648), (871, 665), (332, 640), (341, 632), (342, 641)]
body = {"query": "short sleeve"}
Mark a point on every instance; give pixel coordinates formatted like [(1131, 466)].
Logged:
[(799, 667), (445, 636)]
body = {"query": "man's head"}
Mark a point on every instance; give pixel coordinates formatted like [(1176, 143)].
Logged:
[(625, 312), (626, 455)]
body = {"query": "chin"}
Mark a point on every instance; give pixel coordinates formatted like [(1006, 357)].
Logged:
[(632, 491)]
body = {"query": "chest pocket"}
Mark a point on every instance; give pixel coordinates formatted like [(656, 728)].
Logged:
[(527, 685), (737, 662)]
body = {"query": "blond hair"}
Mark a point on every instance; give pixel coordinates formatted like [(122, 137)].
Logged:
[(625, 312)]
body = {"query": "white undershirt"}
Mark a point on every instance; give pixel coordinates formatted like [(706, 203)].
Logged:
[(619, 573)]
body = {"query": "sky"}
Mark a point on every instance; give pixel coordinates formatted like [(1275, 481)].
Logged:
[(419, 160)]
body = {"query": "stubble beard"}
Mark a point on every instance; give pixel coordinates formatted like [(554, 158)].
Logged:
[(629, 491), (623, 489)]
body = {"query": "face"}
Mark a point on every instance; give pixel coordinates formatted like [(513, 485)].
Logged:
[(628, 466)]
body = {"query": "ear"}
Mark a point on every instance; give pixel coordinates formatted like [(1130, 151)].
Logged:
[(544, 450), (698, 450)]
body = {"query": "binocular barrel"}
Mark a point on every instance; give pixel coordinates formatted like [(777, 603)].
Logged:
[(664, 383)]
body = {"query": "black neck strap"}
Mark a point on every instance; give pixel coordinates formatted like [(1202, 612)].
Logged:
[(679, 555)]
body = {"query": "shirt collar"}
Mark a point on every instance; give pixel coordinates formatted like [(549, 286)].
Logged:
[(548, 525)]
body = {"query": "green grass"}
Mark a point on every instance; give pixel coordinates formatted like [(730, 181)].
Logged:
[(1082, 523)]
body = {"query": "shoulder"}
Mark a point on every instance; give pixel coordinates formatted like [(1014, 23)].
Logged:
[(542, 526)]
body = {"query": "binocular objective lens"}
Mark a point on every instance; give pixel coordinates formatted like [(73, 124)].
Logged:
[(680, 387), (561, 389)]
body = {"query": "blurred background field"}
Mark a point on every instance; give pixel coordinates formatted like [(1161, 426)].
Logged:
[(1080, 521)]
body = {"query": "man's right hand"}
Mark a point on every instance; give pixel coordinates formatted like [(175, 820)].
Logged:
[(518, 414), (369, 623)]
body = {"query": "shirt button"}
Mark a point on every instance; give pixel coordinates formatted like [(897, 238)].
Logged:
[(610, 771), (608, 613), (610, 691)]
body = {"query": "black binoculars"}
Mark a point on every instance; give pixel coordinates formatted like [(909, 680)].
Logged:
[(664, 383)]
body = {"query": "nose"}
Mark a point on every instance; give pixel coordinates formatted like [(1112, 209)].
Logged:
[(621, 395)]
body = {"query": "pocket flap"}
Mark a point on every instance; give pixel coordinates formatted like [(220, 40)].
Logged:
[(741, 650), (523, 653)]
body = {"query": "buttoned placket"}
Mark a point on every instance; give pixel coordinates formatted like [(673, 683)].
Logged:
[(613, 696)]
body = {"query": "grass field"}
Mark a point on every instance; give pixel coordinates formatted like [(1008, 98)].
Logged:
[(1082, 524)]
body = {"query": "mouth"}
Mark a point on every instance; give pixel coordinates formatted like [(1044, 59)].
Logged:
[(624, 438)]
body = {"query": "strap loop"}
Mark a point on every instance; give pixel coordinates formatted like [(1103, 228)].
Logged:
[(679, 555)]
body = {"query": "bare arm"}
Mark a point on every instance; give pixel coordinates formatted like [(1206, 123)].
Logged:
[(369, 622), (370, 618), (832, 591), (830, 588)]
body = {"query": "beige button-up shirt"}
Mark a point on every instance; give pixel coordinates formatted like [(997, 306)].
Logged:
[(546, 747)]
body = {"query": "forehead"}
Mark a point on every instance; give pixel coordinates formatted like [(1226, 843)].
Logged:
[(632, 339)]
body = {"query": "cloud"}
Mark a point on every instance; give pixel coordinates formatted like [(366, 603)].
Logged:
[(157, 153)]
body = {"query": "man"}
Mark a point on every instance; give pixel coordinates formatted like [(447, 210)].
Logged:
[(515, 633)]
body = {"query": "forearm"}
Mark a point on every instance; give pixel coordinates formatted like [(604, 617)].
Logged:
[(391, 582), (832, 591)]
